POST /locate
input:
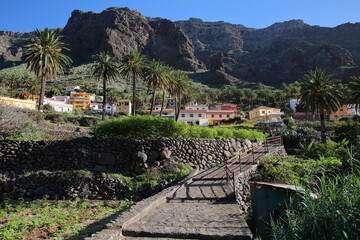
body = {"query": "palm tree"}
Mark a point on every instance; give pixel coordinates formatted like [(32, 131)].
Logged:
[(354, 89), (155, 75), (319, 95), (180, 85), (44, 57), (131, 66), (105, 69), (166, 84), (250, 95)]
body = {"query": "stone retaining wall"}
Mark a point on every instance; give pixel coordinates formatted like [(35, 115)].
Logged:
[(32, 169), (124, 156), (242, 181)]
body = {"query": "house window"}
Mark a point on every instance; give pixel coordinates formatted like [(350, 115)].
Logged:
[(220, 115), (228, 115), (341, 110), (212, 115), (191, 115), (263, 112), (197, 122), (200, 115)]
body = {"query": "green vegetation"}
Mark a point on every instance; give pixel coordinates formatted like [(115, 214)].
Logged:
[(333, 214), (44, 219), (296, 171), (318, 94), (44, 57), (150, 178), (106, 70), (148, 126)]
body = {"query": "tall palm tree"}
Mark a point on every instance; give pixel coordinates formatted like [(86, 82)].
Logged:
[(131, 66), (44, 57), (180, 85), (166, 84), (250, 95), (354, 89), (105, 69), (155, 74), (318, 94)]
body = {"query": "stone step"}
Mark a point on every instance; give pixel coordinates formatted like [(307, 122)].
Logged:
[(217, 173), (195, 220), (204, 190)]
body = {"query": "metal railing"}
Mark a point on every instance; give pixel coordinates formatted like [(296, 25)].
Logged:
[(249, 157)]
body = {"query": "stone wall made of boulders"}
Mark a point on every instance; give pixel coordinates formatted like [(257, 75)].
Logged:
[(241, 182), (60, 185), (126, 156)]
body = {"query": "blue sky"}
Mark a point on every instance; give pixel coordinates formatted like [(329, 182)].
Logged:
[(26, 15)]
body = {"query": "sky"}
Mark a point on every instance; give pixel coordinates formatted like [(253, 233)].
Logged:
[(27, 15)]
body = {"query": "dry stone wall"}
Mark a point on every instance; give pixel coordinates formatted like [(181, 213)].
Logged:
[(121, 155), (32, 169)]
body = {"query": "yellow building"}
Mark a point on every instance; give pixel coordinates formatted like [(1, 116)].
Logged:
[(80, 100), (265, 114), (343, 111), (124, 106), (18, 103)]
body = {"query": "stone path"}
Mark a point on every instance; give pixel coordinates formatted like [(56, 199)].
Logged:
[(203, 208)]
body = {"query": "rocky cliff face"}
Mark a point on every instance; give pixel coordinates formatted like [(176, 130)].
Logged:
[(120, 30), (282, 52)]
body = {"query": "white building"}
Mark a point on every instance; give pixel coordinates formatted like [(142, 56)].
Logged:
[(194, 117), (59, 106), (72, 88), (61, 98), (109, 108), (293, 103)]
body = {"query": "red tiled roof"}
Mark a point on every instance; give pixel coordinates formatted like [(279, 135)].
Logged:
[(193, 111)]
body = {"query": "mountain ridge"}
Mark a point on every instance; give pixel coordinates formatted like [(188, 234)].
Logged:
[(232, 53)]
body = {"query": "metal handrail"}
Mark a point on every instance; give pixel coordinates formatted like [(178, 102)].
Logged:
[(230, 172)]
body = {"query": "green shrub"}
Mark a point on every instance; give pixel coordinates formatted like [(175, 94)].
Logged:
[(333, 214), (140, 127), (149, 126), (349, 130), (295, 171), (328, 149)]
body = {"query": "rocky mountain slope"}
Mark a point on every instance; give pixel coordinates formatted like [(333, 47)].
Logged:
[(282, 52)]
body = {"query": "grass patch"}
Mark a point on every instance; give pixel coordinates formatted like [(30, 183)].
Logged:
[(43, 219)]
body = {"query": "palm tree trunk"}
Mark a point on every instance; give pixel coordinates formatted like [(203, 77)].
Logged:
[(42, 93), (162, 103), (104, 99), (153, 100), (134, 90), (178, 106), (323, 128)]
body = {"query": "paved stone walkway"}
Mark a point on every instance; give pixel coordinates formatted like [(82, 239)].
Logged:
[(203, 208)]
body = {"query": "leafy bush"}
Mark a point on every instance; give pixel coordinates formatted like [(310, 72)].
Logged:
[(328, 149), (295, 171), (140, 127), (349, 130), (333, 214), (296, 138), (148, 126)]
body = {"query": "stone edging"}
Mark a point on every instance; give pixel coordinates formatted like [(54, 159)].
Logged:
[(113, 229)]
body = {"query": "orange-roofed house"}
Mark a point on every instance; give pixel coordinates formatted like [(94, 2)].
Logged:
[(81, 99), (215, 116), (265, 114), (343, 111), (228, 107)]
